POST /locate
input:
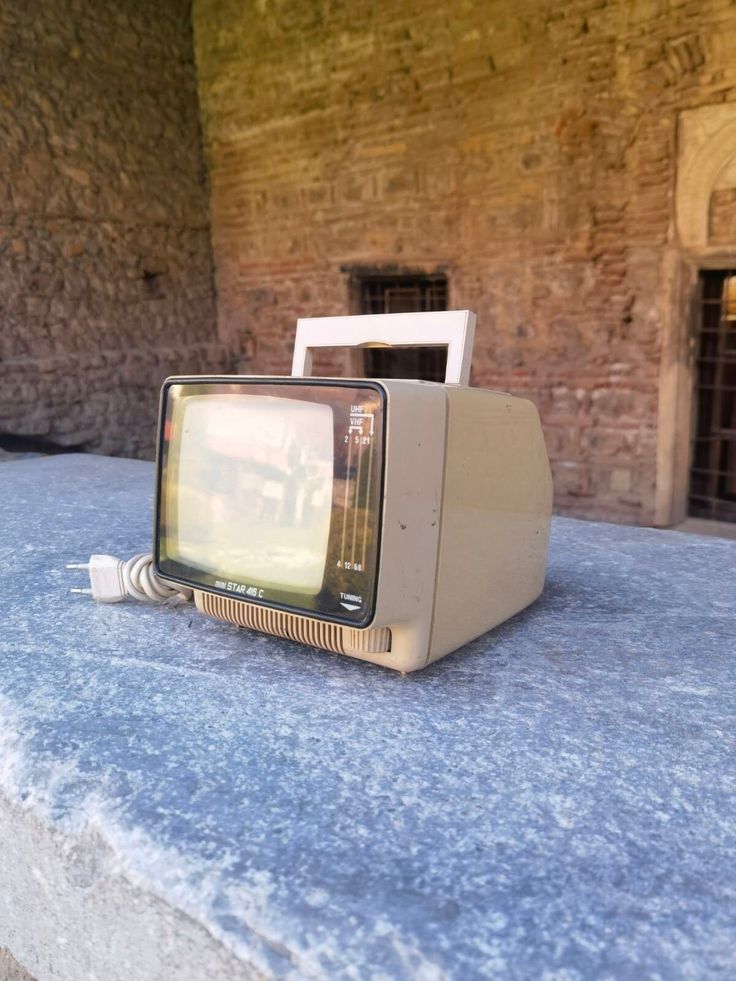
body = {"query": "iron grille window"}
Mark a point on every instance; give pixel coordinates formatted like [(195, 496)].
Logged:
[(404, 294), (713, 468)]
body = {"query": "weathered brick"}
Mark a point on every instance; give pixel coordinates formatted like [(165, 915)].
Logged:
[(527, 149), (104, 241)]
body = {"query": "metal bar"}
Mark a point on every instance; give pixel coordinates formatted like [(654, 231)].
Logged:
[(721, 473), (715, 405)]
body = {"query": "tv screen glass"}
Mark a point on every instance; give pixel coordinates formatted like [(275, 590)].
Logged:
[(271, 492), (261, 469)]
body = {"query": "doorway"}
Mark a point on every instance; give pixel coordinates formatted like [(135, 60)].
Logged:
[(712, 487)]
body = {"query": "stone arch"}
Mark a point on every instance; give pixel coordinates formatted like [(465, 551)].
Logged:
[(707, 148)]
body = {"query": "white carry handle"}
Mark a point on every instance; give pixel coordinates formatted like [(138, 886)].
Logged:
[(453, 329)]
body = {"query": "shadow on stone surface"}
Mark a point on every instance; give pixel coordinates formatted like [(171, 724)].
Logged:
[(10, 969)]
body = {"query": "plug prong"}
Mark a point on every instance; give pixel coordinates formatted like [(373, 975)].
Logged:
[(77, 565), (84, 592)]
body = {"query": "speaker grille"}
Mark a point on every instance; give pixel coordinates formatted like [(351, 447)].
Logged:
[(304, 630)]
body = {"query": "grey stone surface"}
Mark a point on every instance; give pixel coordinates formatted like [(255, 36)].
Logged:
[(554, 801)]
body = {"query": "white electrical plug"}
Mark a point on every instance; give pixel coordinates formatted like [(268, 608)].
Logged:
[(105, 578)]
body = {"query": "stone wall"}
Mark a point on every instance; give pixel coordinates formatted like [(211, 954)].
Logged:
[(105, 264), (525, 148)]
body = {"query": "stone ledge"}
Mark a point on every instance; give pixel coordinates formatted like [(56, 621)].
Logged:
[(10, 969), (181, 796), (70, 910)]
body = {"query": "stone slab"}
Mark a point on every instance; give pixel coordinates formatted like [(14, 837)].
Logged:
[(178, 798)]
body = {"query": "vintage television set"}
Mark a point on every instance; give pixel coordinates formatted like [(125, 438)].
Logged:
[(389, 520)]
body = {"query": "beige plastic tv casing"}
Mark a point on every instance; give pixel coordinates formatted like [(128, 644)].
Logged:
[(466, 508)]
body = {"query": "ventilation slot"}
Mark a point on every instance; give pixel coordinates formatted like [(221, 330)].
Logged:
[(366, 641), (304, 630)]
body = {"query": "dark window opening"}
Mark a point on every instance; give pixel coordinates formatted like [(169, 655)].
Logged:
[(713, 458), (403, 294)]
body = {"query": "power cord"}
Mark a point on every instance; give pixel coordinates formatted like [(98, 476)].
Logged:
[(112, 580)]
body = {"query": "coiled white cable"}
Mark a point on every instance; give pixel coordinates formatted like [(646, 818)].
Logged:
[(112, 580), (142, 583)]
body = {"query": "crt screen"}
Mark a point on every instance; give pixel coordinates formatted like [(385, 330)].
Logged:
[(252, 489)]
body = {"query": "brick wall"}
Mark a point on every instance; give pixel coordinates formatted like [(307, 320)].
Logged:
[(105, 265), (526, 148)]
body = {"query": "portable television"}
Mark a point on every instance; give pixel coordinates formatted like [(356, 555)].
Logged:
[(391, 520)]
